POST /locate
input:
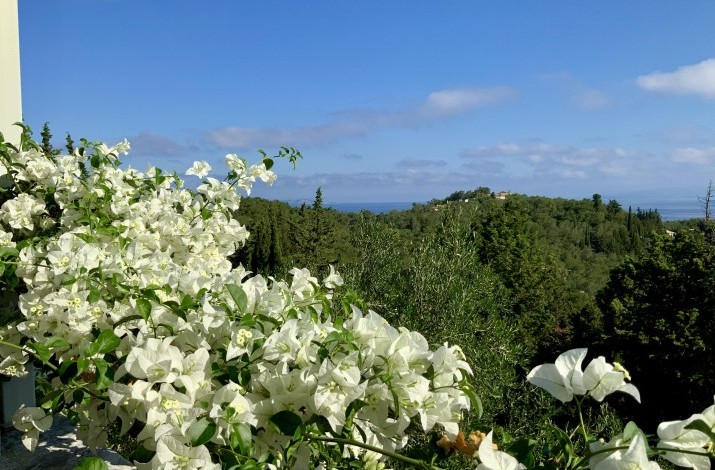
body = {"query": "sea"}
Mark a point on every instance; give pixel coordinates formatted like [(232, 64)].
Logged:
[(669, 209)]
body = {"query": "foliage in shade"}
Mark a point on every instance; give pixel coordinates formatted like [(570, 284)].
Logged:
[(659, 316)]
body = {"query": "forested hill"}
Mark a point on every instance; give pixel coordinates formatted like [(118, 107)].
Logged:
[(548, 257), (584, 238), (515, 281)]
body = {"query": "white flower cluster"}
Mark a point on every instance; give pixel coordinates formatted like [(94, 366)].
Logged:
[(564, 378), (688, 443), (681, 435), (137, 315)]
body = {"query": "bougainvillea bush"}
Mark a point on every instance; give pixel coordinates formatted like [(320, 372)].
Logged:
[(128, 303)]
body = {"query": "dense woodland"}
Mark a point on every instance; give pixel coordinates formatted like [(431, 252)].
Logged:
[(516, 281)]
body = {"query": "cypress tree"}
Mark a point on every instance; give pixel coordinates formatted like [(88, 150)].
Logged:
[(274, 251), (46, 140), (69, 145)]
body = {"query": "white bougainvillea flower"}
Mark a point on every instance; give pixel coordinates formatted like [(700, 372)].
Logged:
[(31, 421), (123, 147), (564, 378), (13, 365), (333, 280), (20, 212), (601, 378), (6, 237), (235, 163), (673, 435), (156, 361), (172, 454), (200, 169), (635, 456), (492, 459)]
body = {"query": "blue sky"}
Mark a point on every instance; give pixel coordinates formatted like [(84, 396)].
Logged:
[(389, 101)]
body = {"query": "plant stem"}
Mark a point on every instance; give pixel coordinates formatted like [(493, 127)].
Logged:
[(394, 455), (29, 351), (583, 427), (685, 451), (670, 449)]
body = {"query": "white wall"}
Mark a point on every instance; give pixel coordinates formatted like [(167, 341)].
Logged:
[(10, 91), (17, 392)]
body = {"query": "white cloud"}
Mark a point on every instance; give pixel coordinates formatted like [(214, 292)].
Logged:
[(148, 143), (243, 137), (439, 105), (693, 155), (590, 99), (534, 151), (460, 100), (412, 163), (563, 161), (582, 96), (685, 134), (698, 79), (570, 174), (411, 184)]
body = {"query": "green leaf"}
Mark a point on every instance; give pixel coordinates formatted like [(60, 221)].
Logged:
[(94, 295), (350, 413), (46, 401), (565, 446), (523, 450), (101, 378), (474, 399), (105, 343), (286, 422), (201, 431), (143, 455), (144, 308), (168, 328), (268, 162), (82, 364), (238, 296), (92, 463), (87, 238), (78, 395), (68, 281), (150, 294), (242, 438), (41, 351), (68, 371), (128, 319), (187, 302), (244, 377), (332, 336), (7, 252), (395, 400)]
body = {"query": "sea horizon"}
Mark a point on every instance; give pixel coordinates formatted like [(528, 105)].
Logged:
[(670, 209)]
